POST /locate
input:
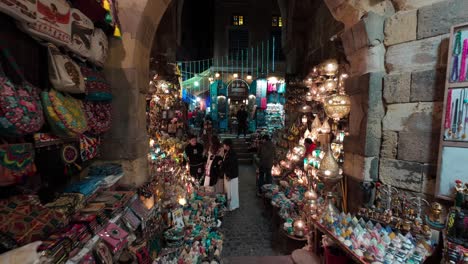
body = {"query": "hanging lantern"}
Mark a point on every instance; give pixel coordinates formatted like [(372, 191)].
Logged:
[(304, 119), (325, 129), (276, 170), (329, 168), (310, 195), (330, 67), (217, 75), (305, 108), (337, 106), (321, 88), (330, 85), (309, 97), (299, 150), (306, 134), (316, 123)]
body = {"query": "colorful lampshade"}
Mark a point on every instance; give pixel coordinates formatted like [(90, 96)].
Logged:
[(325, 128), (337, 106), (330, 85)]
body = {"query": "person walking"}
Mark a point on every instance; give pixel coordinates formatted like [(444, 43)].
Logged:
[(194, 155), (242, 116), (266, 153), (213, 167), (231, 173)]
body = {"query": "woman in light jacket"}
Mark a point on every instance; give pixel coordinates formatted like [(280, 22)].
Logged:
[(213, 169)]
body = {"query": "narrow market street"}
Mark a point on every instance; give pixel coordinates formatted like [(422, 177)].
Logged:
[(247, 231)]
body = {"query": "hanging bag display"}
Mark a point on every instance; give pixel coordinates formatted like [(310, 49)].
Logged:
[(64, 73), (22, 10), (16, 163), (65, 114), (99, 47), (20, 107), (97, 87), (52, 22), (82, 29), (98, 116)]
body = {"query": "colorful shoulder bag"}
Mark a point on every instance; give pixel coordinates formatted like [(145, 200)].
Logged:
[(64, 73), (70, 111), (16, 163), (20, 107)]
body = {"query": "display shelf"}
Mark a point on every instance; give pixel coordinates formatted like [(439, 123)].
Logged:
[(454, 117), (455, 85), (348, 251)]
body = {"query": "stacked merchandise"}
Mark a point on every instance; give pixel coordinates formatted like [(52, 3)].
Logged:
[(68, 115), (274, 117)]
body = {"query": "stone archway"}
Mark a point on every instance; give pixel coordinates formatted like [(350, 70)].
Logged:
[(127, 71)]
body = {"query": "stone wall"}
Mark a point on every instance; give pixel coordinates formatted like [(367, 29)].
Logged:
[(397, 51)]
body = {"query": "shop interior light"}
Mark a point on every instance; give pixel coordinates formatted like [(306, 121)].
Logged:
[(249, 77), (196, 84), (273, 79), (235, 75), (210, 79), (198, 99), (217, 75)]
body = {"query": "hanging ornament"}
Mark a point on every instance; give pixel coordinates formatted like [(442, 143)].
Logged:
[(330, 85), (325, 129), (337, 106), (330, 67), (117, 32), (316, 123)]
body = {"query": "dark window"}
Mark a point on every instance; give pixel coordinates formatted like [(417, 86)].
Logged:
[(238, 40), (276, 35)]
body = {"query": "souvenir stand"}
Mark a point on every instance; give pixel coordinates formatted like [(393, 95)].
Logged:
[(51, 124), (451, 178), (191, 214), (166, 112), (268, 105), (309, 188)]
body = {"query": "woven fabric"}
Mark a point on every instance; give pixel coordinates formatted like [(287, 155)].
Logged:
[(97, 87), (99, 116), (16, 163)]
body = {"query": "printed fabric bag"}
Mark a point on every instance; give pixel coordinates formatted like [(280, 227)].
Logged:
[(64, 73), (22, 10), (99, 47), (20, 107), (53, 22), (99, 116), (65, 114), (82, 29), (97, 87), (16, 163)]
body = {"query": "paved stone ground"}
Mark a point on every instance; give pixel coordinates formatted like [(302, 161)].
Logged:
[(247, 231)]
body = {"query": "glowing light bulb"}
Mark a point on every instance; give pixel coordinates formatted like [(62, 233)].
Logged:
[(235, 75), (217, 75), (182, 201)]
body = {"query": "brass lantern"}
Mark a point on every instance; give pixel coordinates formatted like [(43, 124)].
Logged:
[(330, 67), (337, 106)]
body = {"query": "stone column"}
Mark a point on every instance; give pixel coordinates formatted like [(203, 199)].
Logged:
[(127, 70)]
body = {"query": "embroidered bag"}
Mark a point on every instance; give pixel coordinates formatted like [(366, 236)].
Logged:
[(20, 107), (99, 47), (52, 22), (97, 87), (70, 111), (22, 10), (16, 163), (56, 125), (82, 29), (64, 73), (99, 116)]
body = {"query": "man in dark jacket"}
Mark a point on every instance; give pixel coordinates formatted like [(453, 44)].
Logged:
[(231, 174), (242, 116), (266, 153), (194, 154)]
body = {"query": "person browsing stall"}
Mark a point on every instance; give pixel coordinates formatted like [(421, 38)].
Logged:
[(231, 173), (194, 154)]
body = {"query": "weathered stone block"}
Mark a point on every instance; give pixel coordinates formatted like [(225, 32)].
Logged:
[(370, 86), (414, 117), (401, 174), (437, 19), (401, 27), (367, 32), (366, 138), (413, 4), (397, 88), (389, 145), (361, 168), (429, 175), (367, 60), (427, 86), (416, 55), (420, 147)]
